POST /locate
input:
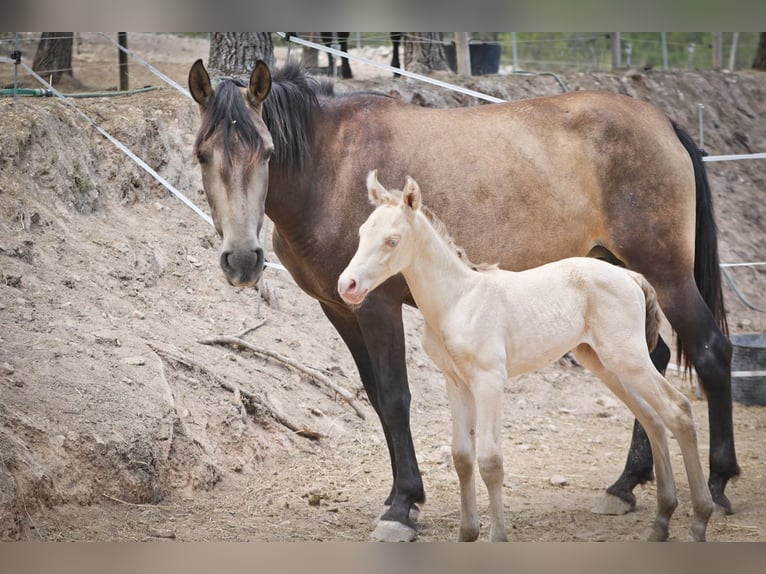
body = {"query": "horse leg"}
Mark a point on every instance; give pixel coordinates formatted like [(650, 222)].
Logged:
[(619, 498), (676, 413), (464, 454), (380, 361), (345, 67), (710, 352), (488, 394), (396, 38), (326, 39), (629, 387)]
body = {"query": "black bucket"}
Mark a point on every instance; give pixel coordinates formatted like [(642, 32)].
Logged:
[(748, 368), (485, 57)]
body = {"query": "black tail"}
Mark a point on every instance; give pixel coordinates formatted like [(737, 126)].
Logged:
[(707, 270)]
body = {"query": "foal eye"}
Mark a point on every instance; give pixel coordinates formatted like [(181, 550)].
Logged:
[(392, 241)]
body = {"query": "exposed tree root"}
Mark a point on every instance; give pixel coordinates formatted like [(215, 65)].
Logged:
[(287, 361)]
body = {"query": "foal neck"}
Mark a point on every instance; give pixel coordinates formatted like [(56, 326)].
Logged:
[(436, 274)]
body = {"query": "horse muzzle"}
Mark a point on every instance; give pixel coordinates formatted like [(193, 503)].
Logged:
[(242, 267), (350, 291)]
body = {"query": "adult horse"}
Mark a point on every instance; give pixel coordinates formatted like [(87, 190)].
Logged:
[(583, 173)]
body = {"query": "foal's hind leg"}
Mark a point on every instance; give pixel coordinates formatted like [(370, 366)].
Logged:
[(676, 413), (619, 498), (628, 388)]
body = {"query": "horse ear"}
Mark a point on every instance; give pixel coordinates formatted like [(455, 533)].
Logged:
[(375, 191), (199, 83), (411, 194), (260, 82)]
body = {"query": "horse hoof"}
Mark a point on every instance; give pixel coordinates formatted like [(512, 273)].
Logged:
[(413, 515), (612, 505), (390, 531)]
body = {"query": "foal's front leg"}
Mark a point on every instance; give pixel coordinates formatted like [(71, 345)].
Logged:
[(488, 394), (464, 454)]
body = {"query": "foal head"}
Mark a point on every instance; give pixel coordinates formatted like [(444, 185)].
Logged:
[(386, 239), (233, 148)]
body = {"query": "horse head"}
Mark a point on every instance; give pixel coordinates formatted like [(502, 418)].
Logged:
[(233, 148)]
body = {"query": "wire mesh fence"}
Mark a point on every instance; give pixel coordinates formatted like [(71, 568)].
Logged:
[(532, 51)]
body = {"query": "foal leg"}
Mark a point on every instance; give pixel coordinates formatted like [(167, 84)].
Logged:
[(676, 413), (619, 498), (628, 388), (464, 454), (488, 394)]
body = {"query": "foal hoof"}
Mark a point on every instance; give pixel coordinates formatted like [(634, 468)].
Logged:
[(612, 505), (391, 531)]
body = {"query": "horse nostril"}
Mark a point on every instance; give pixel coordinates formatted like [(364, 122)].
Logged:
[(351, 285), (225, 265)]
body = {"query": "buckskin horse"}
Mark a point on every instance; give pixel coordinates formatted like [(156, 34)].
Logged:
[(582, 173)]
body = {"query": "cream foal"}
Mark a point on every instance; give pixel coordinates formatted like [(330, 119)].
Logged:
[(485, 325)]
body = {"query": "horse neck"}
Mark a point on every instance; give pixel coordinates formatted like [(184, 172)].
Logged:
[(436, 276)]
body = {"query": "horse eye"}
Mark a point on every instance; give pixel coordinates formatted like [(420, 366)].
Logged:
[(392, 241), (201, 157)]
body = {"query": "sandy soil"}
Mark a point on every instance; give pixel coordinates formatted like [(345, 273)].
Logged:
[(114, 421)]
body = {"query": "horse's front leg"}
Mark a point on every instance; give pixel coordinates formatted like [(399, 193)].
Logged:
[(487, 390), (383, 371), (464, 455)]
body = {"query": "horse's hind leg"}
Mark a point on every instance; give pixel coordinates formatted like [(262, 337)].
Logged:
[(628, 388), (676, 413), (619, 497), (710, 353)]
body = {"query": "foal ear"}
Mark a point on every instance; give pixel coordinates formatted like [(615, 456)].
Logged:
[(411, 194), (199, 83), (375, 191), (260, 82)]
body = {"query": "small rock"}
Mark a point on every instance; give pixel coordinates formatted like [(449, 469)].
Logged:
[(137, 361), (8, 369), (558, 480)]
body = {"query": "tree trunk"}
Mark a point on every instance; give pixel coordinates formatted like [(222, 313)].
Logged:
[(759, 62), (53, 60), (235, 53), (423, 52)]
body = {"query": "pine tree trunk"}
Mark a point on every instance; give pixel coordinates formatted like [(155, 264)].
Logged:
[(53, 59), (759, 62), (423, 52), (235, 53)]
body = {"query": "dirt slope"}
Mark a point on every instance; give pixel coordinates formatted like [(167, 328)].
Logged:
[(115, 425)]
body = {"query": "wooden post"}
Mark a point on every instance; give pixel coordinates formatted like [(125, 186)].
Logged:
[(462, 55), (122, 40)]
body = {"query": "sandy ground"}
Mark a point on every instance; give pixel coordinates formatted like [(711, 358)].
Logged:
[(114, 421)]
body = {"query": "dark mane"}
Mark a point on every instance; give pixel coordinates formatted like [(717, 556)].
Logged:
[(287, 112)]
